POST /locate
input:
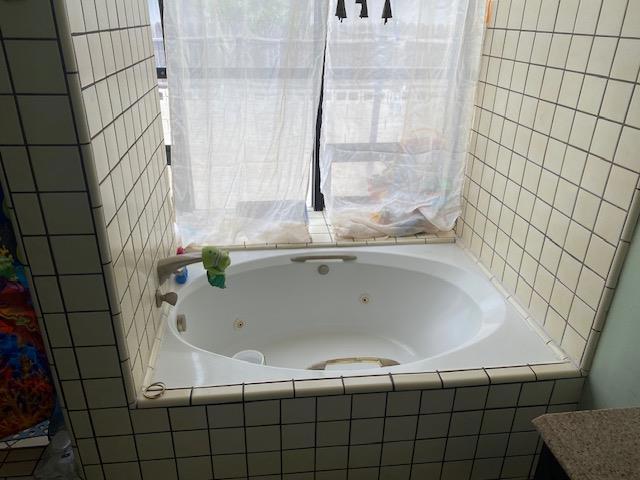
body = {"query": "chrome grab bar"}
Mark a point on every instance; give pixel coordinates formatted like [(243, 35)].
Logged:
[(311, 258), (382, 362)]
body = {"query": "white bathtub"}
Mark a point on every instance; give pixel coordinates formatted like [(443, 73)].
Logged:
[(426, 307)]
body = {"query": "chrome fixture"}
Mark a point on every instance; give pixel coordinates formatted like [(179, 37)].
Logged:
[(311, 258), (166, 266), (373, 361), (170, 297), (181, 323)]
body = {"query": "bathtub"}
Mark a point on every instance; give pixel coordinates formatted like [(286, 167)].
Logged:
[(326, 313)]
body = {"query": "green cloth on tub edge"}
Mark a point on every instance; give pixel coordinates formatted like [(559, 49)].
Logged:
[(215, 262)]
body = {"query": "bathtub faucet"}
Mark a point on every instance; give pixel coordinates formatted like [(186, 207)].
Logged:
[(166, 266)]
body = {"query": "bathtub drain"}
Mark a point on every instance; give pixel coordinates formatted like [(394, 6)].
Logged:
[(251, 356)]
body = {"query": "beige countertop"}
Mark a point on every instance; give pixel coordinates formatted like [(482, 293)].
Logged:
[(594, 444)]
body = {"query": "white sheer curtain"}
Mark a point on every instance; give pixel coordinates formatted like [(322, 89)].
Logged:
[(397, 110), (244, 85)]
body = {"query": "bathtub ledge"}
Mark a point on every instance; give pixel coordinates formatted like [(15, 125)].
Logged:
[(416, 381), (511, 374), (464, 378), (268, 390), (178, 397), (554, 371), (216, 395), (318, 387), (379, 383)]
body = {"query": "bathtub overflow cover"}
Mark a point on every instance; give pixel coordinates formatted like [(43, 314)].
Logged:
[(365, 299), (238, 324), (323, 269)]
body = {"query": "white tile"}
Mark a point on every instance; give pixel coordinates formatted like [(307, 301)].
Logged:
[(601, 56), (27, 210), (111, 421), (30, 18), (298, 410), (611, 17), (264, 463), (262, 413), (470, 398), (334, 407), (368, 384), (616, 100), (266, 391), (332, 433), (83, 292), (57, 331), (10, 132), (187, 418), (67, 213), (117, 448), (460, 448), (605, 139), (595, 175), (150, 420), (154, 445), (97, 362), (582, 130), (300, 435), (567, 390), (610, 222), (36, 66), (38, 255), (228, 440), (626, 62), (17, 169), (626, 154), (579, 53), (76, 254), (230, 466), (586, 208), (261, 439), (433, 426), (364, 455), (535, 393), (396, 453), (164, 468), (301, 460), (47, 119), (573, 344), (590, 287), (92, 109), (497, 421), (633, 115), (599, 256), (191, 443), (57, 168), (570, 89), (437, 401), (48, 294), (66, 364)]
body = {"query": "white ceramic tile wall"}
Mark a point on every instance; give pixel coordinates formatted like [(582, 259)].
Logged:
[(551, 193), (84, 168), (114, 54)]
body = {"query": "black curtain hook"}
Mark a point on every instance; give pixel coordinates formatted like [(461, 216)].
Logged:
[(341, 11), (386, 12), (364, 12)]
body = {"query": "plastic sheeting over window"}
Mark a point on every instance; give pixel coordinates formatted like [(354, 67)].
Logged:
[(244, 77), (397, 110)]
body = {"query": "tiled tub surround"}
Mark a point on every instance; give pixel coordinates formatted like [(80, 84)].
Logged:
[(551, 195), (447, 425)]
